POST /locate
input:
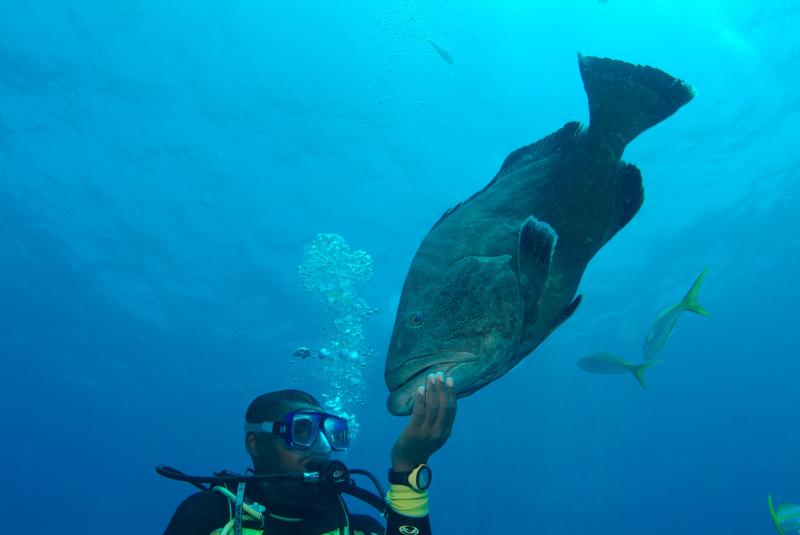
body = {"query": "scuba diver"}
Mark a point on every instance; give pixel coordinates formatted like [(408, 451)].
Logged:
[(294, 486)]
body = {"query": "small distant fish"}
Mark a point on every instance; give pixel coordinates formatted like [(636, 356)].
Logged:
[(661, 330), (302, 352), (786, 517), (610, 364), (442, 51)]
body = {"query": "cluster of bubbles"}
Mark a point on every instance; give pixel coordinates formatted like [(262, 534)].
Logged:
[(333, 274)]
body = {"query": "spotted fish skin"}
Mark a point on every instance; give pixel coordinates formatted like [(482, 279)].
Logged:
[(499, 272)]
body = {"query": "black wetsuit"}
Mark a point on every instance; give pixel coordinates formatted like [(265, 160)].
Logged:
[(321, 512)]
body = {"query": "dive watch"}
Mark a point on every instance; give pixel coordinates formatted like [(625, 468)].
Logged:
[(418, 479)]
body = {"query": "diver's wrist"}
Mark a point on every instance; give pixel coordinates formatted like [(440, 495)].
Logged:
[(401, 465), (405, 458)]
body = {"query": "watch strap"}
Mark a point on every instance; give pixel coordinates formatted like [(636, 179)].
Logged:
[(405, 477), (399, 478)]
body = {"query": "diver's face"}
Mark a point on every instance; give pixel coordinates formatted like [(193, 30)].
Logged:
[(290, 460), (271, 455)]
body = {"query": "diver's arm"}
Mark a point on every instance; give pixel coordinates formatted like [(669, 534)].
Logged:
[(430, 424), (428, 429), (409, 509)]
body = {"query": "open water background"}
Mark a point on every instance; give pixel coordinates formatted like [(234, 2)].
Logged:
[(163, 164)]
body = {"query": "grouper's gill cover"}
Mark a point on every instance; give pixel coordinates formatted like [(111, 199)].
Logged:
[(500, 271)]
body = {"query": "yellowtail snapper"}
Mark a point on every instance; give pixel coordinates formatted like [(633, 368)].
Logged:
[(661, 330), (610, 364), (786, 517)]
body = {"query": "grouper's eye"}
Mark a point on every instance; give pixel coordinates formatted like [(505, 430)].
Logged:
[(415, 319)]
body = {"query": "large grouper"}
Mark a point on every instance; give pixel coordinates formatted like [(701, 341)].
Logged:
[(499, 272)]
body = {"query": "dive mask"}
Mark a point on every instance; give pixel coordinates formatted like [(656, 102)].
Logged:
[(300, 429)]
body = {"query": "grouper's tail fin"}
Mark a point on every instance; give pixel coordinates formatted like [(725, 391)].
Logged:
[(625, 99)]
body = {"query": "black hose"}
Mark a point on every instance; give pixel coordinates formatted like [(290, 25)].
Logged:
[(177, 475), (368, 497), (372, 478), (333, 473)]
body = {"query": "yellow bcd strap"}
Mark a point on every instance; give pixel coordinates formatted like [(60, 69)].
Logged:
[(251, 513), (251, 531)]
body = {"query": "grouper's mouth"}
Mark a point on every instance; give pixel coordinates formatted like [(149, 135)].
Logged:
[(401, 375), (401, 397)]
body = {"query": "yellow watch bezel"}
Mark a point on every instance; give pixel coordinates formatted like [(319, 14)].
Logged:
[(414, 476)]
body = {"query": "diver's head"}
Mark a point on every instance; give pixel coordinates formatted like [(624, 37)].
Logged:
[(287, 431)]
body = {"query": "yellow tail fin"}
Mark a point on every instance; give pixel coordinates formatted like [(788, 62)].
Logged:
[(774, 515), (638, 370), (690, 302)]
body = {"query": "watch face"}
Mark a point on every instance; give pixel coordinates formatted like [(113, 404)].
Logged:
[(423, 478)]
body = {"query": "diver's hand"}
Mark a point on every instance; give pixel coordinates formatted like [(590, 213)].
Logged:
[(430, 424)]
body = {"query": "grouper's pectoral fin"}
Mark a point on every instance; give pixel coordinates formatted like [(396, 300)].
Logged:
[(537, 243)]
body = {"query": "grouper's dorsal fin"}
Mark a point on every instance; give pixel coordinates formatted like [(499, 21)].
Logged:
[(547, 146), (556, 142), (448, 212)]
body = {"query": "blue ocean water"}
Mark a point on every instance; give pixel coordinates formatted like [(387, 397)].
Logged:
[(164, 164)]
